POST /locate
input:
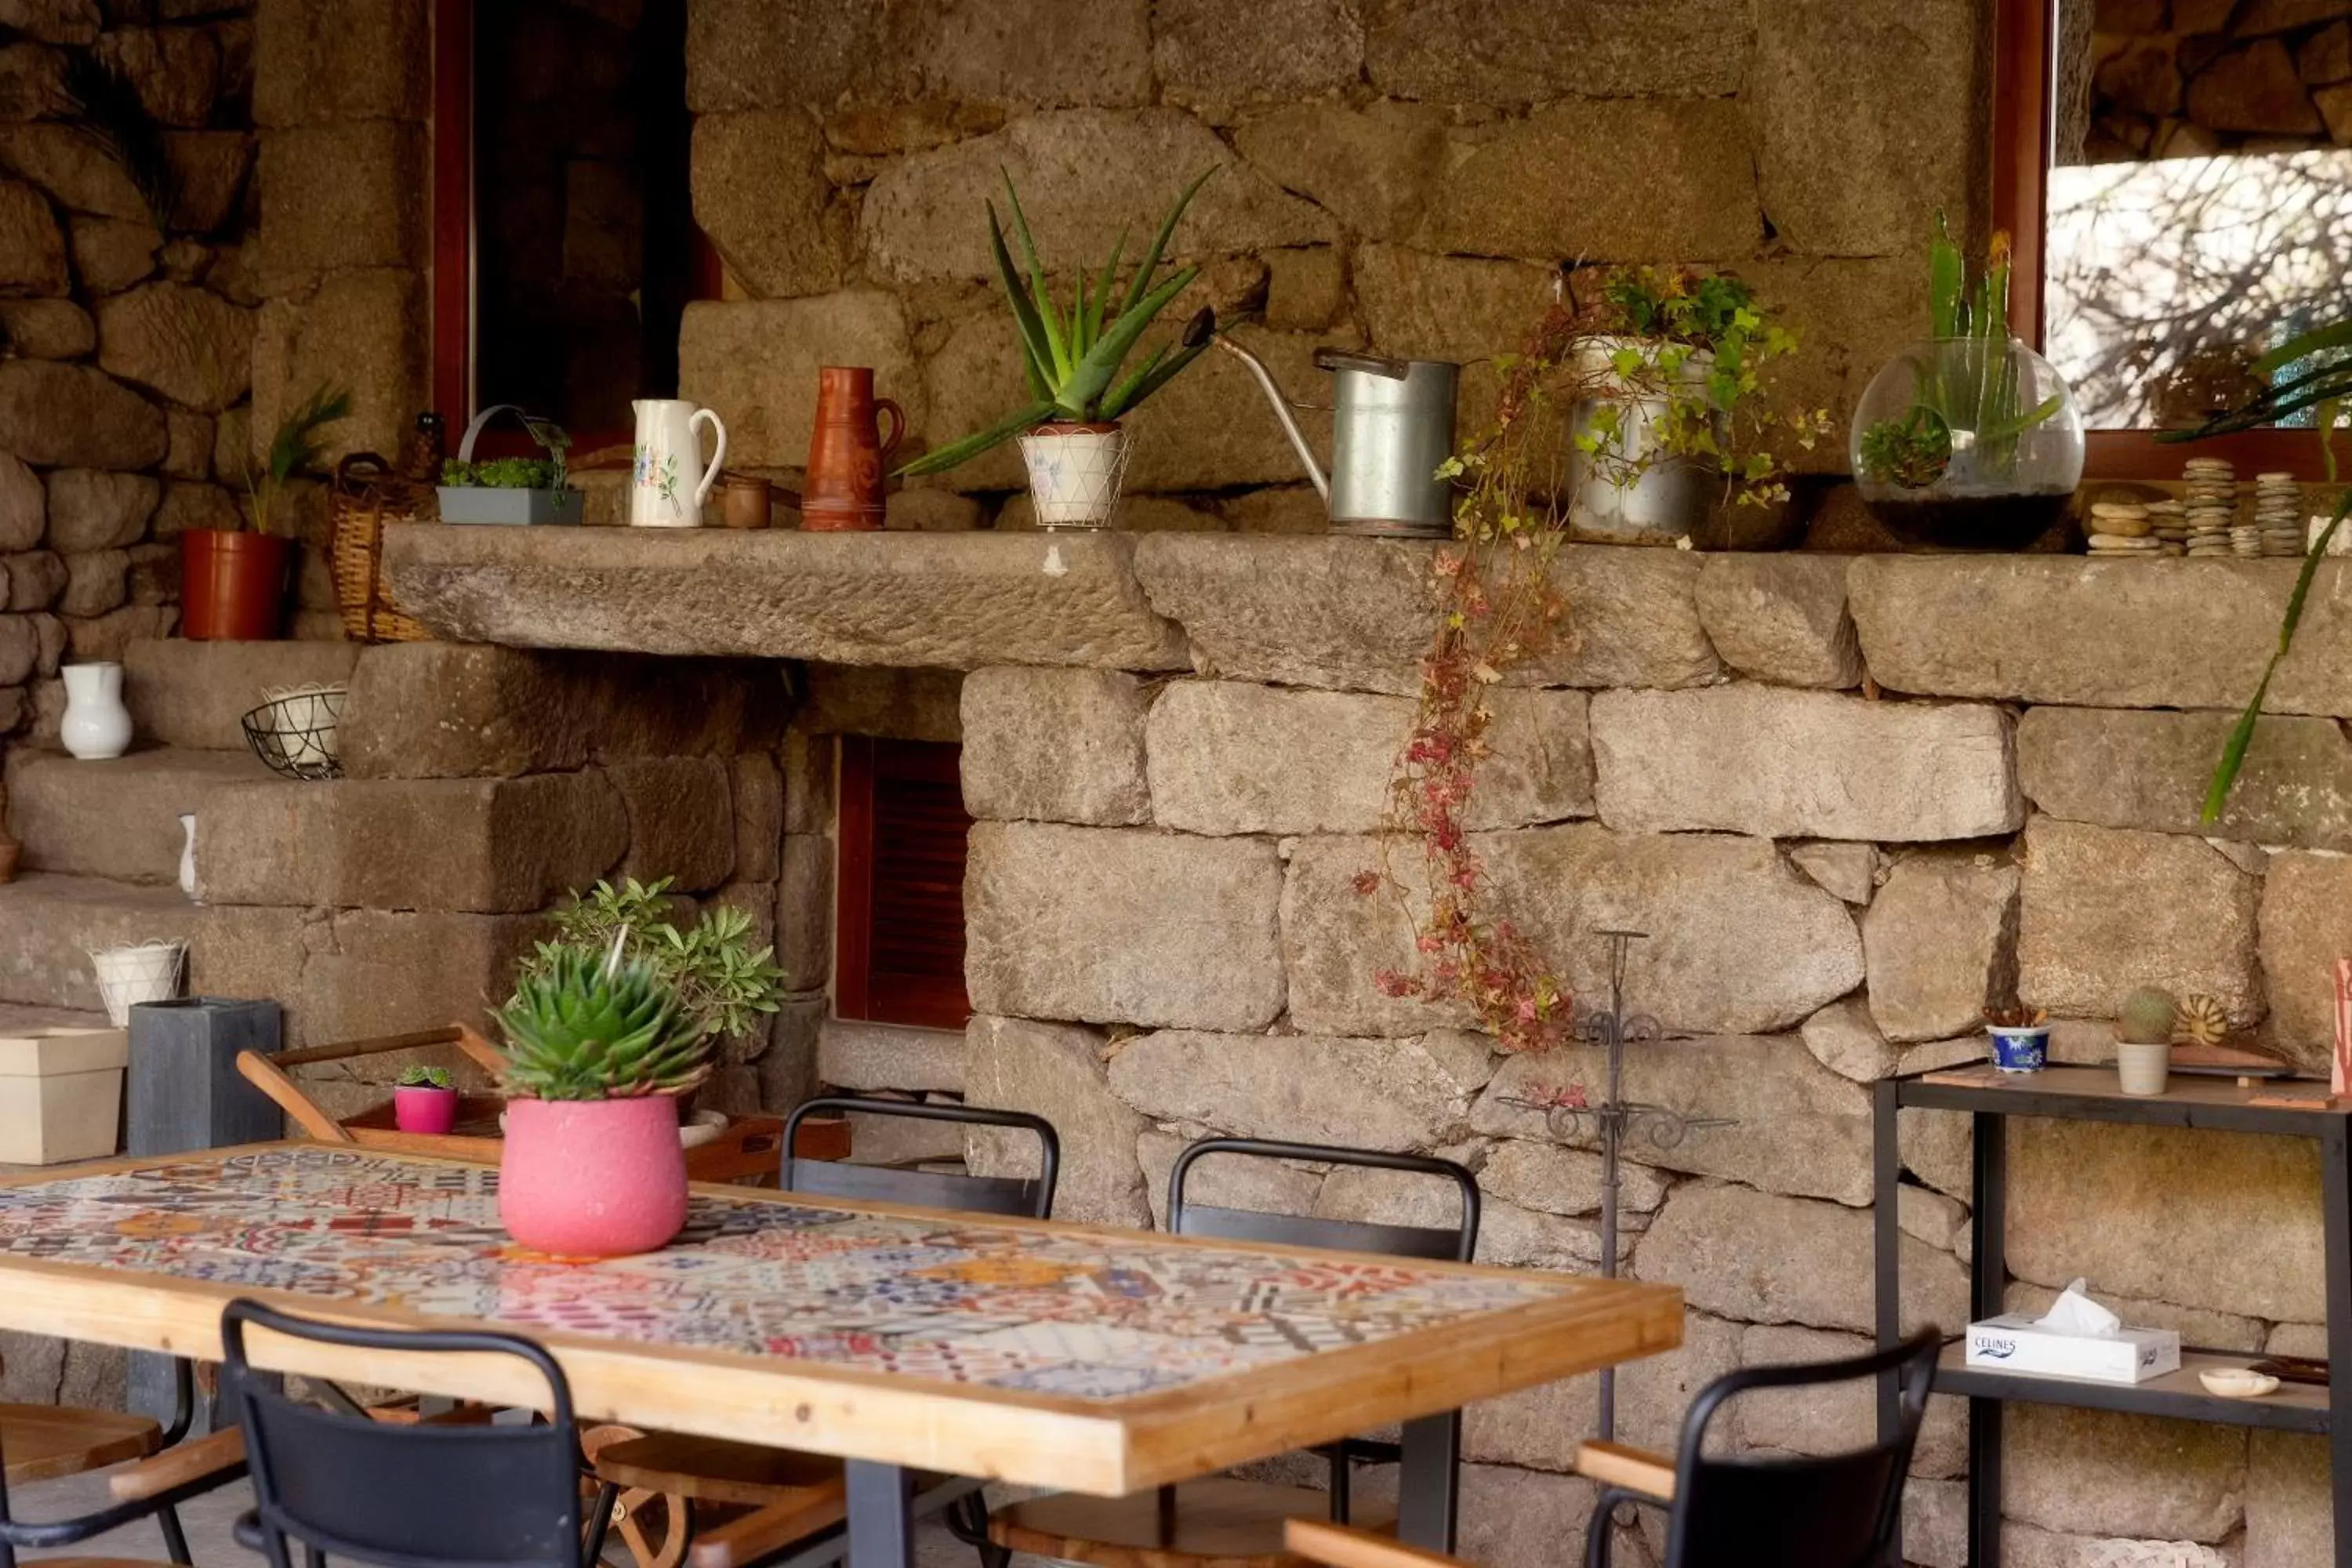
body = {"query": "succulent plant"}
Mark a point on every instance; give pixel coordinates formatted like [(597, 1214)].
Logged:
[(2202, 1021), (589, 1026), (2146, 1017), (416, 1075)]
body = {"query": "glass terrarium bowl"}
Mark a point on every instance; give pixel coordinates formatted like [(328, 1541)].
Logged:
[(1967, 444)]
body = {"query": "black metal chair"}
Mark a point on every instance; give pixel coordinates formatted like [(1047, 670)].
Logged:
[(1836, 1510), (406, 1495), (793, 1496), (1220, 1518)]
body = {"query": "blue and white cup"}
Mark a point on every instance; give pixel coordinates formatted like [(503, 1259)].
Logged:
[(2025, 1049)]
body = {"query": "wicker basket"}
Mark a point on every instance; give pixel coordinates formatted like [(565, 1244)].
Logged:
[(367, 495)]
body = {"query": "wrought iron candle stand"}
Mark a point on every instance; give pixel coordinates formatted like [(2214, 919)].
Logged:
[(1612, 1119)]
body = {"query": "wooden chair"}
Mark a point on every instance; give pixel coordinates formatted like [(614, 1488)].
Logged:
[(1221, 1522), (789, 1495), (42, 1442)]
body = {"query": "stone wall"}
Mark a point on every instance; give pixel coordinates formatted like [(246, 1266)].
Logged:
[(2187, 79), (128, 318), (1408, 176)]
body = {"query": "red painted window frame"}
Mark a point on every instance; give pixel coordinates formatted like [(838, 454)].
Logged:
[(2024, 131), (454, 251), (858, 990)]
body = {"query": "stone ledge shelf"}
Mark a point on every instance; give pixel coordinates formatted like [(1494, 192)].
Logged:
[(1354, 613)]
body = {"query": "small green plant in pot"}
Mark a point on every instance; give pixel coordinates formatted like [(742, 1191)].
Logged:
[(515, 490), (424, 1100), (1073, 360), (233, 582), (598, 1051)]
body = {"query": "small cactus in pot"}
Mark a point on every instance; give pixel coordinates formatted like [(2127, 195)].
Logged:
[(2144, 1026)]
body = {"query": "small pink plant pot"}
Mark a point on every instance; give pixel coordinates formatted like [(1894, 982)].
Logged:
[(593, 1178), (421, 1108)]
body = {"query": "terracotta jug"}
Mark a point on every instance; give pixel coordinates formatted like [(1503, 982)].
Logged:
[(848, 457)]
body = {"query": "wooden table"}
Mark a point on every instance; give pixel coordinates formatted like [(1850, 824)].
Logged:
[(1100, 1359)]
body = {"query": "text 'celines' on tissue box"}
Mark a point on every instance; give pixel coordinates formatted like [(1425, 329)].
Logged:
[(2017, 1341)]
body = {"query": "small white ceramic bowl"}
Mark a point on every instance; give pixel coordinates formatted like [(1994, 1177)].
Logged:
[(2237, 1383)]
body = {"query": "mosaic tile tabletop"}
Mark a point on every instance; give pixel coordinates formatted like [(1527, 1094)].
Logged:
[(981, 1301)]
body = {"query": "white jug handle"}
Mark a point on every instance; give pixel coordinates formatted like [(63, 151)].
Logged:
[(718, 452)]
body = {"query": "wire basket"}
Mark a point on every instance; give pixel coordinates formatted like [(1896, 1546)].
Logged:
[(299, 733), (135, 973)]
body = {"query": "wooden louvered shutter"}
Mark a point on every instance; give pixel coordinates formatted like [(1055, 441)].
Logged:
[(898, 921)]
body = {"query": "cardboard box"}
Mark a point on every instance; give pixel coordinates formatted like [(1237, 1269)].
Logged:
[(2015, 1342), (61, 1094)]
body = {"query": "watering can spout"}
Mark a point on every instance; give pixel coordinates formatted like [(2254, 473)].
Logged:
[(1281, 411)]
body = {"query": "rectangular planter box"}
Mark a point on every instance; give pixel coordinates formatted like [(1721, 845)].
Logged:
[(485, 503), (186, 1091), (61, 1094)]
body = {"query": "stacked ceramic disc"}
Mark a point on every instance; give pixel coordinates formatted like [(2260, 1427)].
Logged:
[(2168, 521), (2210, 506), (2124, 529), (2278, 514)]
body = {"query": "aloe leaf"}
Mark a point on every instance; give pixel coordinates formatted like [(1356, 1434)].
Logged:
[(2233, 754), (1141, 282), (1947, 282), (1034, 342), (1041, 298), (2336, 335), (1150, 378), (1086, 383), (979, 441), (1100, 301)]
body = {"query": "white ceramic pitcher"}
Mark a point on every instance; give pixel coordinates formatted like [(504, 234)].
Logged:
[(96, 724), (669, 481)]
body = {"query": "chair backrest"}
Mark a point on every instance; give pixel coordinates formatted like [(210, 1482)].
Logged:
[(1032, 1197), (1435, 1242), (405, 1496), (1837, 1510)]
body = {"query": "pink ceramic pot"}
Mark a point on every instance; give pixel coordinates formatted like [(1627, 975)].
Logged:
[(421, 1108), (593, 1178)]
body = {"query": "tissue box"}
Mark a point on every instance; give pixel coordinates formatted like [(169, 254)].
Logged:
[(2015, 1342)]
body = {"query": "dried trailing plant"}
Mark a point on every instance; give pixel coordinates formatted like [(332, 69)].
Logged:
[(108, 112), (1072, 358)]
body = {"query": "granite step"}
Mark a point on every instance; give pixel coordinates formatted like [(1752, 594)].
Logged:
[(119, 819), (49, 922), (15, 1019), (192, 694)]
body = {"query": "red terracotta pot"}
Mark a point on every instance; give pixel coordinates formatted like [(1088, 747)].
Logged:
[(421, 1108), (593, 1178), (231, 585)]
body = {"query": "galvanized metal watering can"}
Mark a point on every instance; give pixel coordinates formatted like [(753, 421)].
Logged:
[(1392, 425)]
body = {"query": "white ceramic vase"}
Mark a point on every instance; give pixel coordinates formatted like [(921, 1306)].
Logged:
[(96, 725), (669, 479), (188, 856), (1074, 472), (2143, 1068)]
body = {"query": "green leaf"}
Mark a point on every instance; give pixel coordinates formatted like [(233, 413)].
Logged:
[(1087, 382), (1948, 281), (1154, 375), (1100, 301), (2234, 753), (973, 444), (1040, 296), (2319, 340), (1137, 286), (1035, 356)]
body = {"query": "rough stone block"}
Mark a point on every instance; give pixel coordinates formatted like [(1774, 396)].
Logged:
[(1268, 1186), (1797, 1127), (950, 600), (1122, 925), (92, 509), (2098, 1472), (321, 60), (32, 248), (1056, 1070), (110, 255), (1837, 1419), (357, 331), (1940, 943), (2108, 1204), (70, 415), (191, 694), (2106, 637), (2119, 768), (1849, 870), (24, 505), (1508, 1235), (350, 194), (47, 329), (1492, 51), (1782, 618), (787, 1071), (187, 343), (96, 582), (1780, 764), (681, 819), (1057, 745), (118, 820), (1545, 1178), (870, 700), (487, 845), (853, 1054), (2196, 1325), (1217, 53), (755, 54), (1084, 174), (2105, 909), (805, 912), (386, 972), (2289, 1506), (2305, 925), (73, 169), (1358, 613), (758, 789), (1420, 306), (1229, 757), (1336, 939), (1306, 289), (35, 579), (1400, 1095), (48, 923), (808, 764), (1372, 168), (1682, 186), (1765, 1259), (760, 193)]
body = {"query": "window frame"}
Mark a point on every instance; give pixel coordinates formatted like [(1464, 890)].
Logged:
[(924, 1002)]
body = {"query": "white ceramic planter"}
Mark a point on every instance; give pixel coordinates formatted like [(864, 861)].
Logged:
[(1074, 471), (96, 725), (140, 972), (61, 1094), (2143, 1068)]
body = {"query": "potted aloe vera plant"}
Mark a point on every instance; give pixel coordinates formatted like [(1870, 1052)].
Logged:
[(1970, 439), (1071, 438)]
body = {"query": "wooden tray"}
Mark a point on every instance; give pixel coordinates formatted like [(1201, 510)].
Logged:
[(747, 1152)]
